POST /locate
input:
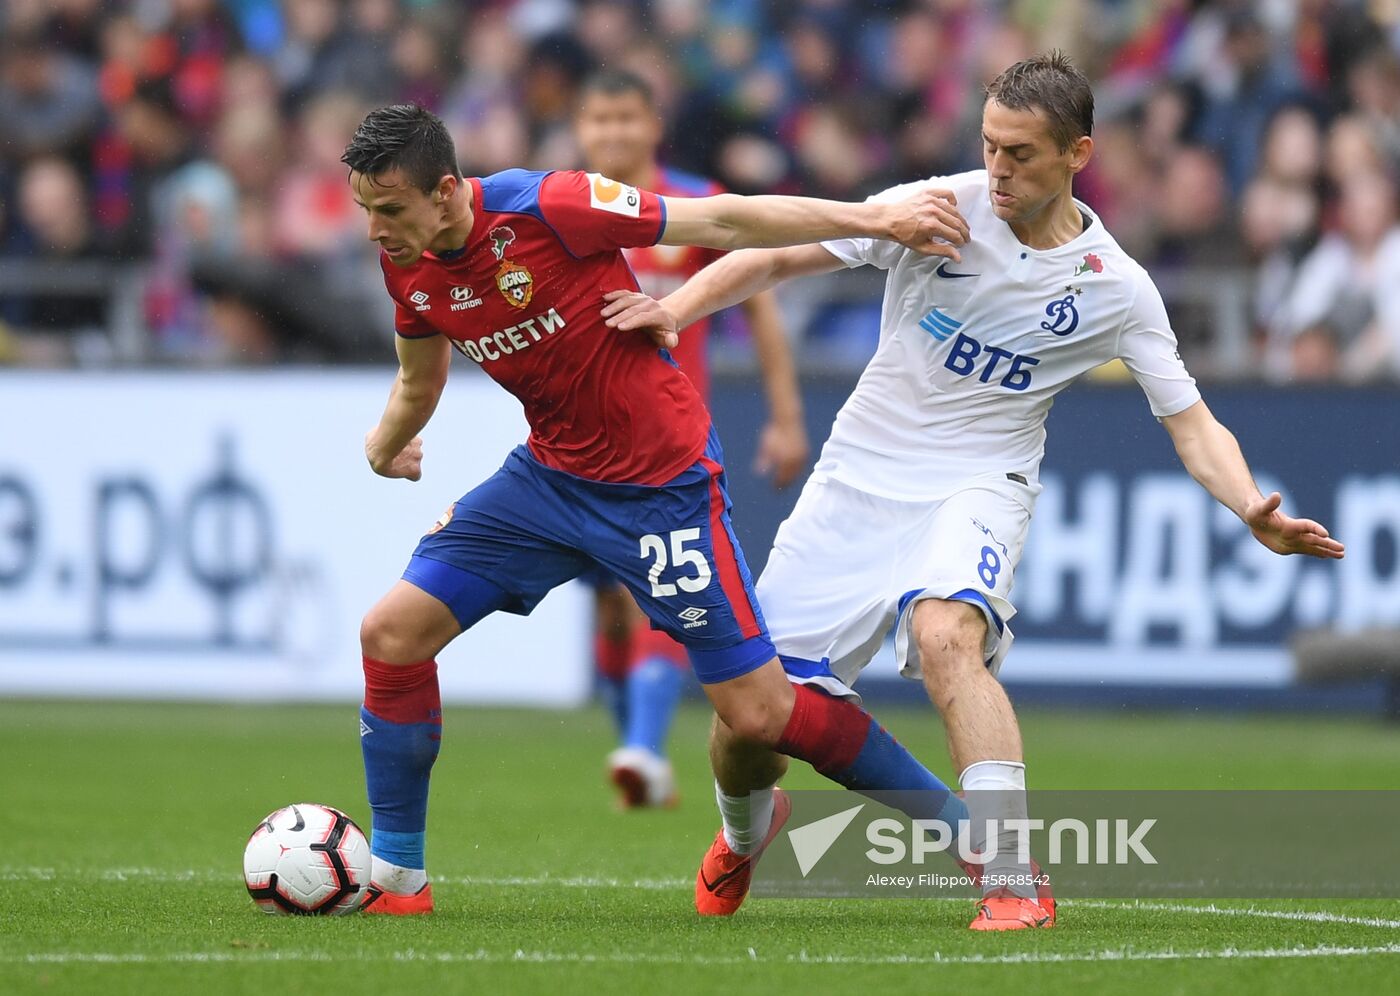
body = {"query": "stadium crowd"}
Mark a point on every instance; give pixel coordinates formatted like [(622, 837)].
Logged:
[(1246, 153)]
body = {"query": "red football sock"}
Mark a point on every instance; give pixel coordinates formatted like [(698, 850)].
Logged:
[(828, 733), (403, 693), (648, 644), (610, 656)]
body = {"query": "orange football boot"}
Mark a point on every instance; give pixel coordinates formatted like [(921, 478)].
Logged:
[(1001, 909), (1044, 894), (398, 904), (723, 881)]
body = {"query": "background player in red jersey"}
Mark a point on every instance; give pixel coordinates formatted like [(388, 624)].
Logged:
[(622, 468), (642, 670)]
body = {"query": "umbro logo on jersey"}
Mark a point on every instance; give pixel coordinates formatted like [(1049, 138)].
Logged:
[(464, 298), (420, 301), (693, 617), (943, 271)]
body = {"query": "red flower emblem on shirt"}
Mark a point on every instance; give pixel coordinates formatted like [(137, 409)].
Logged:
[(1091, 263)]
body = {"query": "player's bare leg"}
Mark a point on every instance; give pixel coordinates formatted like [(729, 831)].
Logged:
[(612, 631), (977, 715), (754, 811), (761, 712), (400, 730), (985, 743)]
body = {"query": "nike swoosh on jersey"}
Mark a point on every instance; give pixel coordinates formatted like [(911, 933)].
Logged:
[(943, 271)]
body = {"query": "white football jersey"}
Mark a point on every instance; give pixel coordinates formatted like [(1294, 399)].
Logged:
[(972, 354)]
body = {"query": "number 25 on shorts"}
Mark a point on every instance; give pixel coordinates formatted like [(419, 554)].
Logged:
[(655, 547)]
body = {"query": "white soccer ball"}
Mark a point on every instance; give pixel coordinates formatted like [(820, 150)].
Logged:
[(307, 860)]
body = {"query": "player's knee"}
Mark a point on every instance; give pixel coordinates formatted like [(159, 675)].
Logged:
[(384, 637), (753, 721), (950, 636), (744, 763)]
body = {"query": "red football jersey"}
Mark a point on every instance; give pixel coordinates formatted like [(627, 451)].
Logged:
[(663, 269), (523, 299)]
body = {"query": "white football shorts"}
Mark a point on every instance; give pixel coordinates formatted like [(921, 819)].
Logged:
[(847, 565)]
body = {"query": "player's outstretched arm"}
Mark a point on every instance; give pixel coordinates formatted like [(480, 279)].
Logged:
[(783, 448), (393, 447), (725, 282), (1212, 455), (927, 221)]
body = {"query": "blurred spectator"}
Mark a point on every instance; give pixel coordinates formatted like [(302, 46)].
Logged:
[(1252, 81), (1194, 234), (153, 142), (319, 52), (1293, 147), (1351, 148), (315, 215), (54, 226), (1278, 221), (48, 100), (1343, 286)]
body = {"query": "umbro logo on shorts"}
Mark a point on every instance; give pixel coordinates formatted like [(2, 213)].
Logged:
[(693, 616)]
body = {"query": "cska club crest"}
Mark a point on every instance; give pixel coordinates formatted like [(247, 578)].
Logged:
[(515, 283)]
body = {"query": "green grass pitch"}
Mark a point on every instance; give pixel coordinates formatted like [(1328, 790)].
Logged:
[(122, 827)]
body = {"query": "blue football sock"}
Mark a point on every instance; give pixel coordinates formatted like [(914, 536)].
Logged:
[(653, 689), (613, 692), (885, 766), (398, 761), (400, 733)]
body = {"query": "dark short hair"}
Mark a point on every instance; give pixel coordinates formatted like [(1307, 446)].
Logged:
[(404, 137), (1050, 83), (617, 83)]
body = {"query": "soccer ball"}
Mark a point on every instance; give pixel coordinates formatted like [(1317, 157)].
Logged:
[(307, 860)]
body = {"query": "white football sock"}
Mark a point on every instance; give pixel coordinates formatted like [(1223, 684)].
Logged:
[(395, 878), (746, 818), (997, 791)]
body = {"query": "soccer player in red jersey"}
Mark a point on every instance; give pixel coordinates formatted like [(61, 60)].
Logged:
[(641, 670), (622, 468)]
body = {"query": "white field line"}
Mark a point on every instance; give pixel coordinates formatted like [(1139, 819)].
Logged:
[(167, 875), (1306, 916), (624, 958)]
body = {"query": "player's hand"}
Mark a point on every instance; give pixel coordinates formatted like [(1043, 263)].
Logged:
[(930, 224), (1284, 534), (407, 463), (633, 311), (782, 451)]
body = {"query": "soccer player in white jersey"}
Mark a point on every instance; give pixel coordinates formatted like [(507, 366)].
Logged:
[(916, 513)]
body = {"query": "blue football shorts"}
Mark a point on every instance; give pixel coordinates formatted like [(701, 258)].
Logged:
[(529, 528)]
